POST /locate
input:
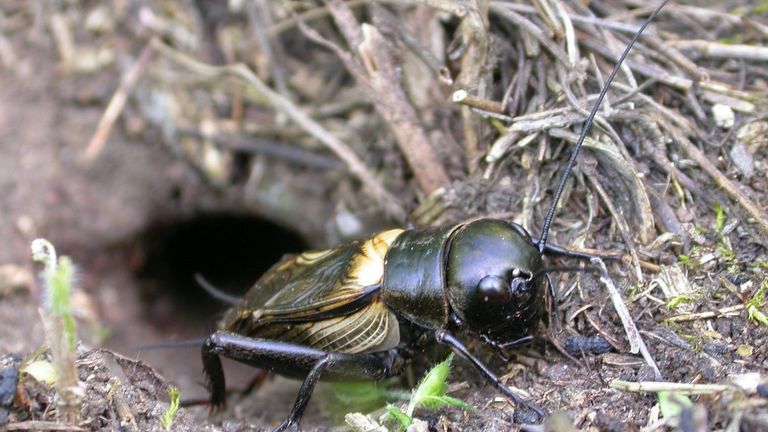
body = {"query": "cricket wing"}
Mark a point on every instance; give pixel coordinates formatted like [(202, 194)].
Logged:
[(371, 328), (314, 286)]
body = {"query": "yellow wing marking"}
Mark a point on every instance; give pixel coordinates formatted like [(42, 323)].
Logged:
[(368, 266), (307, 258)]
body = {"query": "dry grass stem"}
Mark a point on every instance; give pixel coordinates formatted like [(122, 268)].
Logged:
[(636, 343), (375, 68), (465, 98), (655, 387), (621, 224), (724, 312), (720, 50), (117, 103), (39, 425), (475, 74)]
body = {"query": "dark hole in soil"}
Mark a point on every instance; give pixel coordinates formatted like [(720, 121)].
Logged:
[(230, 251)]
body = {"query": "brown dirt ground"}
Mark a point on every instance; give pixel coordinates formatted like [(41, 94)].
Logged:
[(98, 211)]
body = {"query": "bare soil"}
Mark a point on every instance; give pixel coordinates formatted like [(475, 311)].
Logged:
[(129, 216)]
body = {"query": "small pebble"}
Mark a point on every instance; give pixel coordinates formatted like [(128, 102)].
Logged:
[(723, 115), (762, 390), (9, 379), (646, 373), (742, 159), (418, 425), (526, 416), (587, 345)]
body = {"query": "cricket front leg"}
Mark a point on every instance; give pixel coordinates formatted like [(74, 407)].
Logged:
[(446, 338), (305, 392)]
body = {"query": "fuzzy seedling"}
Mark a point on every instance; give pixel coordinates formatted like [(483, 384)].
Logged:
[(429, 394), (59, 323), (167, 419)]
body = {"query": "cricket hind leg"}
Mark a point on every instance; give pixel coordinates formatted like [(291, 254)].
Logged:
[(213, 373), (293, 360)]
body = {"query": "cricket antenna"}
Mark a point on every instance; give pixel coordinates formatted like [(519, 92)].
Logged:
[(215, 292), (585, 131)]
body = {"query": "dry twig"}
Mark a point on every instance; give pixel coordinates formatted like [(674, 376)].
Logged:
[(474, 74), (720, 50), (117, 103), (375, 68), (636, 343), (39, 425), (655, 387), (724, 312)]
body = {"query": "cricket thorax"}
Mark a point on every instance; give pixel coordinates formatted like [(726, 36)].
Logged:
[(414, 275)]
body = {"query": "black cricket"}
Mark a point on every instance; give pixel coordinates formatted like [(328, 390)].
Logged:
[(362, 309)]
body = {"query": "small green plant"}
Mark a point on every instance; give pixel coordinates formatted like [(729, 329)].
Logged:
[(724, 248), (758, 265), (360, 396), (430, 394), (678, 300), (696, 341), (719, 218), (59, 323), (691, 260), (167, 419), (761, 8), (671, 404), (754, 304)]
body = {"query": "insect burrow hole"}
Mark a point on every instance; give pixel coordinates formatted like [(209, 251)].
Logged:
[(229, 250)]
